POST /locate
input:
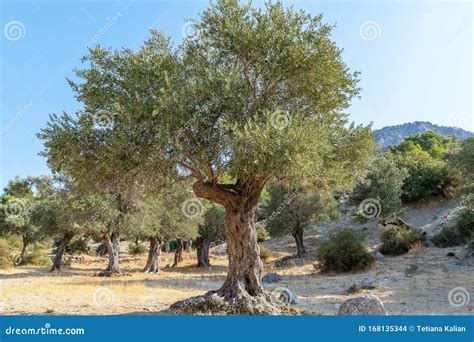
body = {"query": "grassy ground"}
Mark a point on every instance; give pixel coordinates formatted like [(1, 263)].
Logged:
[(417, 283)]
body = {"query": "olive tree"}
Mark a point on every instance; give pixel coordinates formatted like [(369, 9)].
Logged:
[(255, 94), (292, 210), (210, 230)]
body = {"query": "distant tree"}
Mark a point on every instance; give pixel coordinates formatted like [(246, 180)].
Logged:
[(17, 203), (383, 184), (210, 230), (255, 94), (422, 156), (463, 163), (165, 217), (292, 210)]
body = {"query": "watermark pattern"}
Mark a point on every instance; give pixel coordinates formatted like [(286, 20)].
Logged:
[(370, 30), (460, 119), (103, 297), (456, 210), (14, 30), (289, 198), (458, 297), (280, 119), (192, 208), (110, 21), (103, 120), (15, 207), (46, 330), (188, 30), (16, 118), (370, 208)]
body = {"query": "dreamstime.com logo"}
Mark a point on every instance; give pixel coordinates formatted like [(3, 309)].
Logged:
[(46, 330), (458, 297), (370, 208), (192, 208)]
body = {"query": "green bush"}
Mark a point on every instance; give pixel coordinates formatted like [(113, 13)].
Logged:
[(37, 256), (464, 224), (262, 233), (78, 246), (265, 253), (137, 249), (345, 252), (398, 240), (6, 259), (447, 238)]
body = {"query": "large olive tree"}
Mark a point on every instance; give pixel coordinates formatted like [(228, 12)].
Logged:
[(254, 94)]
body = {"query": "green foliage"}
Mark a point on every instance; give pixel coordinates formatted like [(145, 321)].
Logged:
[(287, 210), (384, 183), (398, 240), (462, 163), (345, 252), (265, 253), (464, 224), (262, 233), (137, 248), (422, 156), (37, 256), (78, 246), (6, 254), (212, 228)]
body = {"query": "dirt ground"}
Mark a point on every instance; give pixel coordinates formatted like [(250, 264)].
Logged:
[(418, 283)]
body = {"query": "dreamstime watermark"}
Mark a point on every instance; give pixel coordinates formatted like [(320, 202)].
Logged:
[(461, 119), (103, 297), (188, 30), (280, 119), (370, 30), (458, 297), (370, 208), (110, 21), (284, 296), (15, 207), (14, 30), (46, 330), (289, 198), (103, 119), (456, 210), (17, 117), (192, 208)]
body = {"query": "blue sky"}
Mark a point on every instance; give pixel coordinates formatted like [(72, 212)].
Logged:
[(416, 59)]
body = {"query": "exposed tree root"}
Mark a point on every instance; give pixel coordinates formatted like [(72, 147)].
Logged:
[(227, 302)]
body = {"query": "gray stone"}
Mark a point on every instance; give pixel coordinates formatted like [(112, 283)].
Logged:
[(363, 306), (379, 256), (271, 278), (285, 296)]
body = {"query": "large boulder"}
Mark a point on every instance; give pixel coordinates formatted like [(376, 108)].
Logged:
[(363, 306)]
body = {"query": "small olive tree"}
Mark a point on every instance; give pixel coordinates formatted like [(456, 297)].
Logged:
[(212, 229), (292, 210)]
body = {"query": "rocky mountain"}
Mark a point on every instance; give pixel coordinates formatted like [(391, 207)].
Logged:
[(392, 135)]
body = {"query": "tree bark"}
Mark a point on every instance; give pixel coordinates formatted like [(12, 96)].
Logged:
[(112, 243), (60, 251), (166, 246), (245, 266), (24, 251), (188, 246), (202, 252), (178, 255), (299, 239), (154, 254)]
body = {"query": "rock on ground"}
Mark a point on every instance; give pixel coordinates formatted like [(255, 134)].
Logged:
[(271, 277), (363, 306)]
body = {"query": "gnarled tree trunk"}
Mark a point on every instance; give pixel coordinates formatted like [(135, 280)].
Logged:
[(154, 254), (178, 254), (166, 246), (24, 251), (112, 243), (202, 252), (299, 239), (188, 246), (60, 251)]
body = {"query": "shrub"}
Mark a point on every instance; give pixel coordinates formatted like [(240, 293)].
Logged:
[(398, 240), (345, 252), (265, 253), (137, 249), (447, 238), (262, 233), (37, 256), (464, 224), (6, 259), (78, 246)]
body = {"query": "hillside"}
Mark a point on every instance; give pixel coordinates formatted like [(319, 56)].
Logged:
[(393, 135)]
